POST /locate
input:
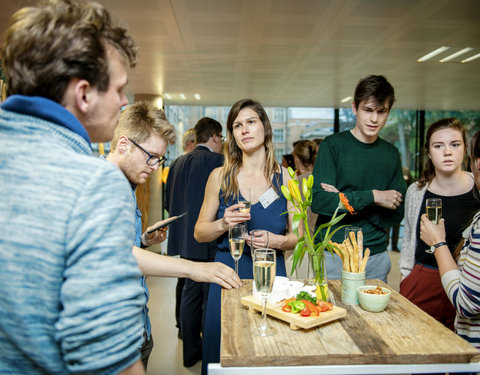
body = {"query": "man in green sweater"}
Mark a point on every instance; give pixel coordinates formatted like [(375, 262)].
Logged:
[(367, 169)]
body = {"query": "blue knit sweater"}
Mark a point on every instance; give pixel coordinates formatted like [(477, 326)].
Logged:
[(70, 300)]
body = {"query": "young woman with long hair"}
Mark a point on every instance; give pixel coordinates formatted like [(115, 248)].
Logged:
[(460, 279), (249, 166), (443, 177)]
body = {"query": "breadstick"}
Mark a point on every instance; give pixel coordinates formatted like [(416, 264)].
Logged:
[(365, 260), (350, 255), (355, 251), (338, 251), (346, 257), (360, 247), (337, 248)]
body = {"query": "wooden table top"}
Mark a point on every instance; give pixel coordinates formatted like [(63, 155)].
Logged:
[(401, 334)]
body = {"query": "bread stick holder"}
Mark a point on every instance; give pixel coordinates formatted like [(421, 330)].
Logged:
[(350, 283)]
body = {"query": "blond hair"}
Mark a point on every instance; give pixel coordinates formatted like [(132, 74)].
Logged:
[(140, 120)]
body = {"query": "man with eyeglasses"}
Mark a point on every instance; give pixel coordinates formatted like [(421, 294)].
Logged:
[(138, 147), (184, 192)]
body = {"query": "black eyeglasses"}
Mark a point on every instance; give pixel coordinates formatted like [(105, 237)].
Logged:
[(152, 159), (221, 136)]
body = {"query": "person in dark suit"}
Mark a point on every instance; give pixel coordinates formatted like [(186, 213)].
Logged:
[(188, 144), (184, 192)]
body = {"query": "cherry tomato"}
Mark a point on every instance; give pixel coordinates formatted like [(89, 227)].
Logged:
[(305, 312), (324, 306), (313, 309)]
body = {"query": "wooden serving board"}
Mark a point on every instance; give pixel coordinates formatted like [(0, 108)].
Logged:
[(296, 320)]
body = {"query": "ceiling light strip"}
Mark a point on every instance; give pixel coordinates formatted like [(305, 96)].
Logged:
[(471, 58), (428, 56), (453, 55)]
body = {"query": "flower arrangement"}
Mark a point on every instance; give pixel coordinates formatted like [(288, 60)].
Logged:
[(306, 243)]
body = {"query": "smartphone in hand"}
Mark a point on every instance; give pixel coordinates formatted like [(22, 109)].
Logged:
[(165, 223)]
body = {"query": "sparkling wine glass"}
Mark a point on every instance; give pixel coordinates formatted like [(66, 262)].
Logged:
[(246, 200), (434, 214), (236, 240), (434, 209), (264, 269)]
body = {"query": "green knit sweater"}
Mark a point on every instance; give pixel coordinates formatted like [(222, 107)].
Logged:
[(356, 168)]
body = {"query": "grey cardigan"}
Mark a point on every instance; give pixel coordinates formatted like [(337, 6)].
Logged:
[(413, 203)]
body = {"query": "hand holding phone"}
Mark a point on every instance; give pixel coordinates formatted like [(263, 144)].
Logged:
[(165, 223)]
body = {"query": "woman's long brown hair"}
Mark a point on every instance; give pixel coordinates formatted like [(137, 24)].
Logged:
[(428, 172), (233, 154)]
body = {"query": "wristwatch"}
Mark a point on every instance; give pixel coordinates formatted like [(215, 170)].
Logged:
[(434, 247)]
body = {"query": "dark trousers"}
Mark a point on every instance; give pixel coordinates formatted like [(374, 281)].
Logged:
[(192, 317), (146, 350), (178, 301)]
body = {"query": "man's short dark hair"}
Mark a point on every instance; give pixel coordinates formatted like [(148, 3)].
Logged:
[(205, 128), (376, 87), (48, 45)]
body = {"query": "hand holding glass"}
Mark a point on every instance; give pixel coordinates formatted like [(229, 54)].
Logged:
[(258, 233), (236, 239), (264, 269)]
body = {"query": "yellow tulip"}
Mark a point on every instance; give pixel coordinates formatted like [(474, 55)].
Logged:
[(294, 191)]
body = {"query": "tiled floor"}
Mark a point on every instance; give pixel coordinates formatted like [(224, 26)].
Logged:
[(166, 358)]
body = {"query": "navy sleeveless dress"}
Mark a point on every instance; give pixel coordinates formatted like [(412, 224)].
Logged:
[(269, 219)]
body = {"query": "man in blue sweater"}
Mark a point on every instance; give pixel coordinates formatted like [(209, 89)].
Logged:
[(70, 300)]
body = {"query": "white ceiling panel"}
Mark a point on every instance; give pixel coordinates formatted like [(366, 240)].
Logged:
[(299, 53)]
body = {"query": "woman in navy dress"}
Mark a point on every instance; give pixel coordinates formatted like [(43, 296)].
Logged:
[(249, 165)]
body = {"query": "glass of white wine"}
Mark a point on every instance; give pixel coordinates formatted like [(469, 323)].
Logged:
[(246, 200), (264, 269), (434, 209), (434, 214), (236, 239)]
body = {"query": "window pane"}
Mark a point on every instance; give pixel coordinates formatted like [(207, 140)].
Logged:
[(470, 119), (279, 115), (278, 135), (400, 130)]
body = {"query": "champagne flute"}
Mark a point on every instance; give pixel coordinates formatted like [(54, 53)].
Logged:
[(246, 200), (236, 239), (434, 209), (434, 214), (264, 269)]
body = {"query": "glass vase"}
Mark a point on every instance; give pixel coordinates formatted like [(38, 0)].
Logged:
[(320, 271)]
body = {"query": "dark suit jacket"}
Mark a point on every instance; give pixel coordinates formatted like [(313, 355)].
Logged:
[(185, 189)]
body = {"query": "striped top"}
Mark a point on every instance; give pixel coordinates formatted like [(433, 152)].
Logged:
[(463, 286)]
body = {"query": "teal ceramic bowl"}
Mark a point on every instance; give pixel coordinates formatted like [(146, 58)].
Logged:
[(373, 302)]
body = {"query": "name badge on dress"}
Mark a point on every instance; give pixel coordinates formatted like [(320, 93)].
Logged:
[(268, 197)]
